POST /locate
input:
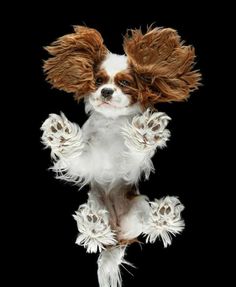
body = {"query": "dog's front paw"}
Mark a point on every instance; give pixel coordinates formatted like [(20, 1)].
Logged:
[(62, 136), (147, 131)]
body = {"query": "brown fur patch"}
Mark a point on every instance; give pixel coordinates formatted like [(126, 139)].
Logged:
[(102, 76), (130, 88), (132, 193), (125, 76), (124, 242), (162, 65), (74, 57)]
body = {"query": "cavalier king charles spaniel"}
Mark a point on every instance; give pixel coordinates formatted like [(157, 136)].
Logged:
[(114, 147)]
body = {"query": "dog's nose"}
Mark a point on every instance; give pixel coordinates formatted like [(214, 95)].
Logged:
[(107, 93)]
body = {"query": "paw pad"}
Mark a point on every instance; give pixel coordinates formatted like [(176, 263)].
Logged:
[(59, 133), (147, 131), (164, 220), (94, 229)]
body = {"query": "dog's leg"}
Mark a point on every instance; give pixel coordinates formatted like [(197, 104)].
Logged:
[(131, 210), (147, 132), (63, 137), (164, 220), (131, 222)]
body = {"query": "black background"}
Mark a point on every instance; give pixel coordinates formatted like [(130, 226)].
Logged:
[(46, 229)]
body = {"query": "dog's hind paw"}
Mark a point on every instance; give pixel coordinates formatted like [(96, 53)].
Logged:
[(164, 220), (95, 232)]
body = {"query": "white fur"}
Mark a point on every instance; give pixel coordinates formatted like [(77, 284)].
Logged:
[(164, 220), (109, 263), (118, 106), (94, 229), (132, 223), (59, 134), (148, 131), (114, 64), (105, 157)]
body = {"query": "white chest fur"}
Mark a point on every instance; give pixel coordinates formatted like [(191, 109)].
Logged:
[(106, 148)]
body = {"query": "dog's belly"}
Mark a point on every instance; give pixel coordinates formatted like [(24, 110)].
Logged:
[(107, 158)]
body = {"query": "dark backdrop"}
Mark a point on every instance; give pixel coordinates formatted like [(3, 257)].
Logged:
[(47, 229)]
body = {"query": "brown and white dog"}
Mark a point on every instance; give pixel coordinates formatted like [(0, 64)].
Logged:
[(115, 145)]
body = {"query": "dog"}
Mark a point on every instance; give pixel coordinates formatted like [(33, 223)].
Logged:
[(114, 147)]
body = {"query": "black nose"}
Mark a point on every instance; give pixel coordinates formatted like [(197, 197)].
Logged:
[(107, 93)]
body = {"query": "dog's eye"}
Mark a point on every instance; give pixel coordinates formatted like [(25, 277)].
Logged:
[(99, 81), (124, 83)]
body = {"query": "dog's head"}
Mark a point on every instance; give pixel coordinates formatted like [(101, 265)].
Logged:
[(156, 67)]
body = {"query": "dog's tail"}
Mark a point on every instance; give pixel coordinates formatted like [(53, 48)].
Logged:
[(109, 262)]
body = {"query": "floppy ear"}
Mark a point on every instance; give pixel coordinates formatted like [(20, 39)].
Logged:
[(74, 57), (162, 65)]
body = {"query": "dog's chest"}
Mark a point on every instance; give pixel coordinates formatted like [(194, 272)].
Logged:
[(106, 143), (108, 140)]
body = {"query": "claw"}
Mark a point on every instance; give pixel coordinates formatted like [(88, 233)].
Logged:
[(59, 133), (147, 131)]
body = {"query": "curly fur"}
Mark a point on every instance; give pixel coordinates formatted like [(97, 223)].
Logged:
[(74, 58), (162, 65)]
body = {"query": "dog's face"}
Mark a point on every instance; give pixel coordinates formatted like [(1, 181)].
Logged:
[(156, 67), (114, 87)]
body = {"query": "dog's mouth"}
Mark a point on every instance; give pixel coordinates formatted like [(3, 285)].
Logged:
[(107, 104), (103, 103)]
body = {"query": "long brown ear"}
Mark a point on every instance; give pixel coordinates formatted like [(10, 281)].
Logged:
[(74, 57), (162, 65)]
